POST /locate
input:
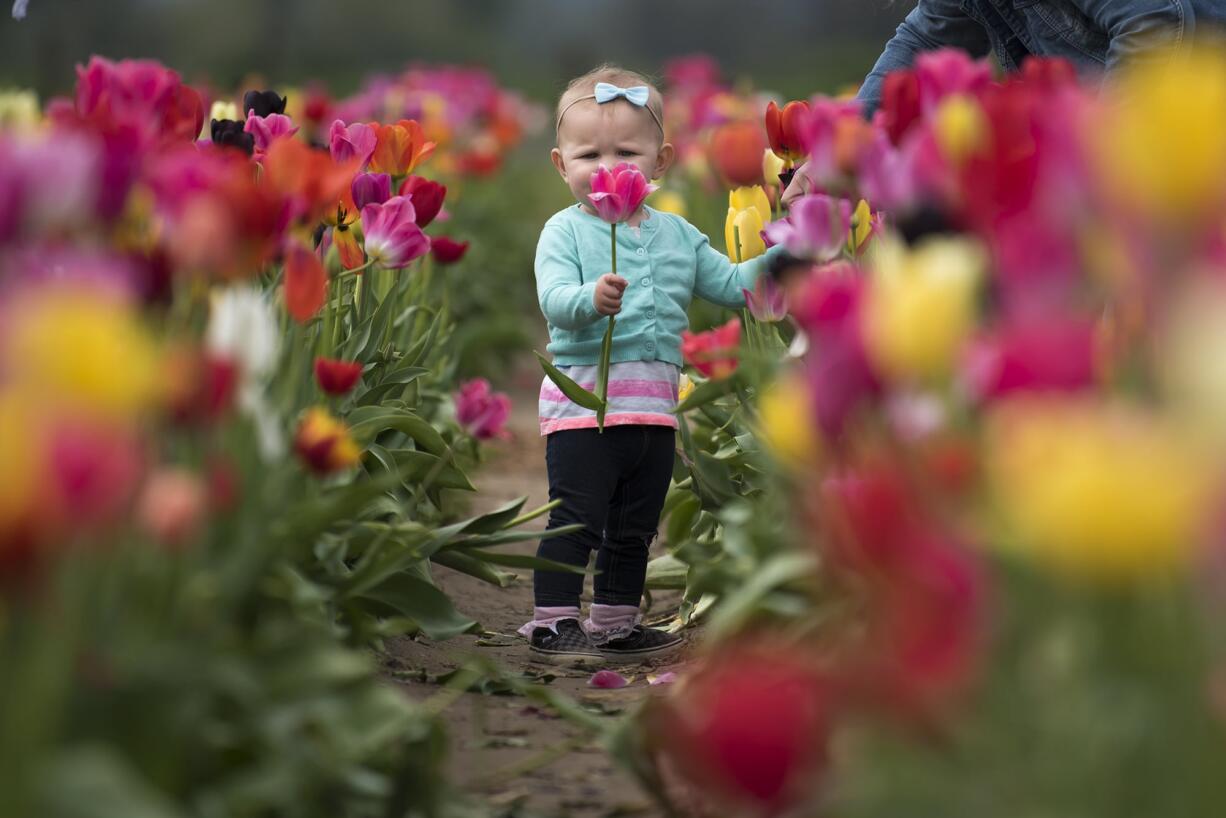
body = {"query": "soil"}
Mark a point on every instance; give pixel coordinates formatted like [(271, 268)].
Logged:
[(499, 743)]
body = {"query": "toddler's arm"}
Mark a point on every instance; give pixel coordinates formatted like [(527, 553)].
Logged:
[(565, 300), (720, 280)]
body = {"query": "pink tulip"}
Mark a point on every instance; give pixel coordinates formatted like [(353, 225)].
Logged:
[(268, 129), (816, 228), (393, 238), (946, 72), (716, 352), (767, 301), (617, 194), (482, 412), (347, 142), (1042, 353)]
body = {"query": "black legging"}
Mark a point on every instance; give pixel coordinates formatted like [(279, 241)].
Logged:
[(614, 484)]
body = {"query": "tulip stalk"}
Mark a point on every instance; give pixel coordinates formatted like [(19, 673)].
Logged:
[(606, 346)]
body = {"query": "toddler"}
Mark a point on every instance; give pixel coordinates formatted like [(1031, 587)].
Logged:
[(614, 483)]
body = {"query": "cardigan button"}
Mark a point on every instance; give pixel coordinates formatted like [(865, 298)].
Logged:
[(641, 251), (646, 281)]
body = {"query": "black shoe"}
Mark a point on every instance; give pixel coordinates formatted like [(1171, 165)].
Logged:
[(568, 646), (642, 643)]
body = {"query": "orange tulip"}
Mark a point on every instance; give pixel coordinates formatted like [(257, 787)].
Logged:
[(736, 152), (306, 283), (399, 148)]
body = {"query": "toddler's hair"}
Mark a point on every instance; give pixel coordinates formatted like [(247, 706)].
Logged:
[(585, 86)]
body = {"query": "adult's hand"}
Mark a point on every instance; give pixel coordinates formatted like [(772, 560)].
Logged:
[(800, 185)]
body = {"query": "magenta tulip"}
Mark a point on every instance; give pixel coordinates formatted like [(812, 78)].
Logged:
[(393, 238), (617, 194), (347, 142), (268, 129), (371, 188), (482, 412)]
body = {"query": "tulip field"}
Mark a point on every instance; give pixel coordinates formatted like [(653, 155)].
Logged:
[(945, 533)]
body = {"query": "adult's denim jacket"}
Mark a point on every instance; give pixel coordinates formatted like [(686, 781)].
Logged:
[(1093, 34)]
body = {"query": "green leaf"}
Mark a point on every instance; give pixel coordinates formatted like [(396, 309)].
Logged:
[(741, 605), (494, 520), (424, 604), (425, 469), (523, 561), (369, 425), (98, 782), (569, 388), (465, 563)]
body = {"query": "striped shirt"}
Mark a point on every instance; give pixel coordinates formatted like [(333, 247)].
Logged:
[(640, 393)]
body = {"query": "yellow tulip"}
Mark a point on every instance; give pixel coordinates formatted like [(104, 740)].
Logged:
[(684, 387), (920, 306), (19, 109), (1162, 144), (960, 127), (772, 166), (75, 349), (669, 201), (861, 225), (1096, 491), (786, 423), (749, 210)]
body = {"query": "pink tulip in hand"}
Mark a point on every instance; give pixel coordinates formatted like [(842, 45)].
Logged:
[(617, 194)]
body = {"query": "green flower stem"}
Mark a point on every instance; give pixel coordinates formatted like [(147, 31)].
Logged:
[(606, 346)]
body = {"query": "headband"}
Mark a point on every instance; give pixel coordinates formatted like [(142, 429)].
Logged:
[(607, 92)]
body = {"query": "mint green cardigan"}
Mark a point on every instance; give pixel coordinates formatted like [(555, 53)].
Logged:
[(667, 262)]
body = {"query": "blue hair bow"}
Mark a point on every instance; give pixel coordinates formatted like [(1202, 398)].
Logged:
[(635, 95)]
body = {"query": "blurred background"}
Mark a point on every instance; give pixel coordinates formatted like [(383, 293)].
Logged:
[(793, 47), (787, 49)]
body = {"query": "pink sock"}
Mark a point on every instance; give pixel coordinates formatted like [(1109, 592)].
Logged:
[(608, 622), (549, 618)]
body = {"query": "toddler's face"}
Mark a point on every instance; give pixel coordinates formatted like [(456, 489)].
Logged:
[(593, 135)]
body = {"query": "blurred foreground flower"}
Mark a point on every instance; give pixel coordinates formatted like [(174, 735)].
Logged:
[(767, 301), (750, 724), (172, 505), (324, 444), (920, 306), (715, 353), (1096, 490), (787, 425), (816, 228), (736, 153)]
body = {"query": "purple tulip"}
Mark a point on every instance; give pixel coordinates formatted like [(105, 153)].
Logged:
[(767, 301), (371, 188), (482, 412)]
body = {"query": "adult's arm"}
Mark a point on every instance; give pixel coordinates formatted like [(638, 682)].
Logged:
[(932, 24), (1140, 25)]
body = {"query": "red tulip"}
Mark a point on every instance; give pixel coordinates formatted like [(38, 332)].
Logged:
[(751, 725), (427, 197), (736, 152), (306, 283), (900, 104), (715, 352), (782, 129), (1054, 353), (337, 377), (447, 251)]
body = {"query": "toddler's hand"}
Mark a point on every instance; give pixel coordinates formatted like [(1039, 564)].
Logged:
[(607, 297)]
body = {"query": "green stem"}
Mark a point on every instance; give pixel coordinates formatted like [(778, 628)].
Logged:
[(356, 270), (606, 346)]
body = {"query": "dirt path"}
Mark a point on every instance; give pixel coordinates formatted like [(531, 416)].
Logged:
[(492, 735)]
